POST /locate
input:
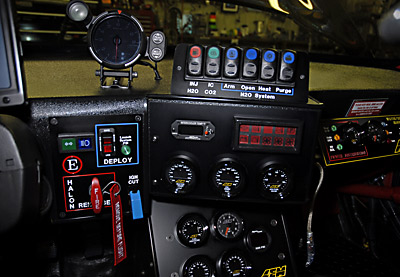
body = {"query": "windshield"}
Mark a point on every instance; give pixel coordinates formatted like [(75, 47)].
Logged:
[(337, 28)]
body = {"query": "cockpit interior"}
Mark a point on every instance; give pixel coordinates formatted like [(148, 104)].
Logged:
[(199, 138)]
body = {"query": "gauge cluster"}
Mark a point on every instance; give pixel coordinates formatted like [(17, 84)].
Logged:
[(274, 166), (226, 241)]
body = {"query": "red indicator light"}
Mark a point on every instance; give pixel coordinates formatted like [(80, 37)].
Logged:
[(107, 148), (291, 131), (244, 139), (255, 140), (244, 128), (278, 141), (107, 140), (290, 142), (267, 141), (279, 130), (268, 129), (195, 52), (256, 129)]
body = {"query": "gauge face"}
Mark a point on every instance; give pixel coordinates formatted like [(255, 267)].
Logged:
[(199, 266), (192, 230), (228, 178), (180, 175), (235, 264), (229, 226), (116, 40), (275, 182)]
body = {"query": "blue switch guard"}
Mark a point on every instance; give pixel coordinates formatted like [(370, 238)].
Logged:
[(136, 205)]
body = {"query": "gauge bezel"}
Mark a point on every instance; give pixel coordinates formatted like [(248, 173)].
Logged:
[(106, 16), (203, 221), (278, 196), (214, 226), (226, 254), (202, 258), (194, 169), (242, 172), (251, 246)]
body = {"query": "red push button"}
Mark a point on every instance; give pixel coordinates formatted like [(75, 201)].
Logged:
[(195, 52), (107, 148)]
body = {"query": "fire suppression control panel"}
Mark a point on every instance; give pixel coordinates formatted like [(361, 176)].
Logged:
[(354, 139), (240, 73), (90, 155)]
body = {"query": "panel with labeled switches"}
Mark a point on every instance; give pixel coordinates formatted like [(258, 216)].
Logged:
[(240, 73)]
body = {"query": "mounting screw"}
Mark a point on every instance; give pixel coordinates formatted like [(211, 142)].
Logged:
[(53, 121), (169, 238), (62, 215), (174, 274), (281, 256), (6, 100), (154, 139), (302, 77), (274, 222), (179, 68), (155, 182), (138, 118)]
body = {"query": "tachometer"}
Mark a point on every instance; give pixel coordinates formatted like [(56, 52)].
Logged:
[(228, 225)]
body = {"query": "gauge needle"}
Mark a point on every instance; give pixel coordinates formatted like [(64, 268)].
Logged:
[(226, 231), (116, 48)]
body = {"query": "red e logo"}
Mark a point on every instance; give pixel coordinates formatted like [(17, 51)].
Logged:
[(72, 164)]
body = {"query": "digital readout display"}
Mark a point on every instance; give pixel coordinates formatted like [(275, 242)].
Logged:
[(190, 130), (267, 136)]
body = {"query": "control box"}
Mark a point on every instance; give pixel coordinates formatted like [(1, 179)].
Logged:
[(95, 151), (241, 73), (355, 139)]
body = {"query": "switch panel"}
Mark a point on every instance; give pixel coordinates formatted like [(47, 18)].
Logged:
[(259, 74)]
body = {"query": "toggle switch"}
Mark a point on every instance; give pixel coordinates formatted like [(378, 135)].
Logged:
[(107, 141), (268, 64), (213, 62), (288, 65), (251, 57), (195, 60), (231, 63)]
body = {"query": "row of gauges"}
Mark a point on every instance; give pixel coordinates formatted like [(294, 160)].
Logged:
[(228, 178), (232, 263), (193, 231)]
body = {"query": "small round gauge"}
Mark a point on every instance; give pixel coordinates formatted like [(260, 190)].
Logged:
[(234, 264), (199, 266), (228, 225), (228, 177), (276, 181), (180, 175), (192, 230), (116, 40)]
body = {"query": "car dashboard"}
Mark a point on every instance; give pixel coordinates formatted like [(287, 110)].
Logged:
[(214, 170)]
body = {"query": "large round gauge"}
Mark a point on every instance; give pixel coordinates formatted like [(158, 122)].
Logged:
[(276, 181), (234, 264), (116, 40), (228, 177), (180, 175), (199, 266), (192, 230), (228, 225)]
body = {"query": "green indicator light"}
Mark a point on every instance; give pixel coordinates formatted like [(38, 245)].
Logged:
[(126, 150), (213, 52), (68, 144), (333, 128), (339, 147)]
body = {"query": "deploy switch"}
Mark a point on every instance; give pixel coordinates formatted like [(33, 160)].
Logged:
[(107, 142)]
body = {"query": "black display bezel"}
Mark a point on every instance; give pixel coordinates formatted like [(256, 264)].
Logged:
[(109, 15), (15, 94)]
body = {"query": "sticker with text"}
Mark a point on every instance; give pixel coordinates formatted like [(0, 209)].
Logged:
[(279, 271)]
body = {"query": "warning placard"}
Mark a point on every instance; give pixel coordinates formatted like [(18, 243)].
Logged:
[(366, 107)]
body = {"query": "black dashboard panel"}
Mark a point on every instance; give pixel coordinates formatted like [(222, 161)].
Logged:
[(226, 167)]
